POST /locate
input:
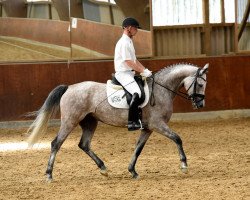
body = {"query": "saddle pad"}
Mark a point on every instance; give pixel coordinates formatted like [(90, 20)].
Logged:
[(116, 95)]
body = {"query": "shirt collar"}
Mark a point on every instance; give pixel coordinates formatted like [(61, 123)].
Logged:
[(126, 37)]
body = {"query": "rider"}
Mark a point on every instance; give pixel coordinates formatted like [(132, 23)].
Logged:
[(126, 64)]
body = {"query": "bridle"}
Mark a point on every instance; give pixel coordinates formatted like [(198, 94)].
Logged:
[(194, 97)]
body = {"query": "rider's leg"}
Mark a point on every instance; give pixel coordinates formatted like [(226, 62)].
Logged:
[(128, 82), (133, 114), (126, 79)]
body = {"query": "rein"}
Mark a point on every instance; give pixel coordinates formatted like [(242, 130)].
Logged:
[(179, 93), (152, 96)]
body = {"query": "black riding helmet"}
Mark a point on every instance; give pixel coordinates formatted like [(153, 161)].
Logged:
[(129, 21)]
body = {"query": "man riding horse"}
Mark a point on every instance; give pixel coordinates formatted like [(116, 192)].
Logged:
[(126, 64), (86, 103)]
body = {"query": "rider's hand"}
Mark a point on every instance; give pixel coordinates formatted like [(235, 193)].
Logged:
[(146, 73)]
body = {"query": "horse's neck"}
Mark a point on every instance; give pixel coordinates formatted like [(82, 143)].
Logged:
[(173, 77)]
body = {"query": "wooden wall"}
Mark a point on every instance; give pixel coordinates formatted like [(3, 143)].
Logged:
[(227, 86), (178, 41), (189, 40), (24, 87)]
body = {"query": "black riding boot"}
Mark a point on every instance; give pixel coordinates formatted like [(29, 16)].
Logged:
[(133, 114)]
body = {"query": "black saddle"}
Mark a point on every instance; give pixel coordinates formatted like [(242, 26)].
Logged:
[(140, 83)]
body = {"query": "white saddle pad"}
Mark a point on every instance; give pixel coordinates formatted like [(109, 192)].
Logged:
[(116, 95)]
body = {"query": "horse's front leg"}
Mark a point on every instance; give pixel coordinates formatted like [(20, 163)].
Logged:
[(139, 146), (166, 131)]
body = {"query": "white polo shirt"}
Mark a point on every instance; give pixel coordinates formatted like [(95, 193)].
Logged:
[(124, 50)]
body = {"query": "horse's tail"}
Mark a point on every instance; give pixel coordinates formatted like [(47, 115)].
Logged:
[(50, 107)]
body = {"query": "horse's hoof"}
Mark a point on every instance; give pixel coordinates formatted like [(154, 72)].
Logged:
[(104, 172), (135, 176), (184, 168), (48, 178)]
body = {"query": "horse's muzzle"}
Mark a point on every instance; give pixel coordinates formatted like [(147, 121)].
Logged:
[(200, 105), (197, 100)]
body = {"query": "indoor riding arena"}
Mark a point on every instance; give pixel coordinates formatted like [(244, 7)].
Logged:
[(44, 44)]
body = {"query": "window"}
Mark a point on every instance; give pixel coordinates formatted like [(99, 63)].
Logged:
[(176, 12), (180, 12), (229, 11), (215, 11), (241, 10)]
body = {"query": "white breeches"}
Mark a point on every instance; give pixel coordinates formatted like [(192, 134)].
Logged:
[(127, 80)]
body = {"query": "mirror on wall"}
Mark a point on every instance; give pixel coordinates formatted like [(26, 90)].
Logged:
[(98, 28), (34, 30), (48, 30)]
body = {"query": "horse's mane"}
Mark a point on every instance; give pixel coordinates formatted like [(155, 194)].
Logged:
[(172, 67)]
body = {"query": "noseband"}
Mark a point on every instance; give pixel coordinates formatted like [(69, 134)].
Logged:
[(194, 97)]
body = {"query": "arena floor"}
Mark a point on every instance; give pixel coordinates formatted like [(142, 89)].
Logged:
[(218, 155)]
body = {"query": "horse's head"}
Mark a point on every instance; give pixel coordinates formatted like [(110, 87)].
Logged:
[(196, 85)]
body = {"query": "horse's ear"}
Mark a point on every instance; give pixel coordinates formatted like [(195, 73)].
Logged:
[(204, 69)]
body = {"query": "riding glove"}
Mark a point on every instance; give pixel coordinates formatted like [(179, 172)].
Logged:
[(146, 73)]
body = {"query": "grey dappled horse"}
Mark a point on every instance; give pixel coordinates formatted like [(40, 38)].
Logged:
[(86, 103)]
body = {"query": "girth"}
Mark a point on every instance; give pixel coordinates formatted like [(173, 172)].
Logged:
[(140, 83)]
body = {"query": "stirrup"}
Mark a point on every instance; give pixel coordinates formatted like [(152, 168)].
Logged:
[(133, 126), (141, 124)]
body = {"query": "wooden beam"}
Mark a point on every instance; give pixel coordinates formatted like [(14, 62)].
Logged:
[(244, 20), (50, 11), (151, 28), (223, 11), (111, 14), (1, 7), (236, 27), (207, 28)]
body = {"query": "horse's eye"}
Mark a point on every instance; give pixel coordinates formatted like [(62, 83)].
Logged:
[(200, 85)]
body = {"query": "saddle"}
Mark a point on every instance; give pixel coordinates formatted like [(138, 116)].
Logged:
[(139, 81), (118, 97)]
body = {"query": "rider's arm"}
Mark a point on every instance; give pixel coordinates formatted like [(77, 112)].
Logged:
[(137, 66), (139, 63)]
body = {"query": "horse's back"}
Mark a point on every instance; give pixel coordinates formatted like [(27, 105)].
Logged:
[(82, 96), (86, 85)]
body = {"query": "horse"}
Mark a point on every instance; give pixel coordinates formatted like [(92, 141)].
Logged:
[(86, 103)]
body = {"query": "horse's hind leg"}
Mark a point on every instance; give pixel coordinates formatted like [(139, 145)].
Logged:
[(64, 131), (88, 125), (139, 146)]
